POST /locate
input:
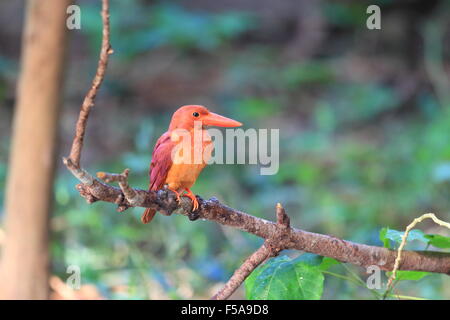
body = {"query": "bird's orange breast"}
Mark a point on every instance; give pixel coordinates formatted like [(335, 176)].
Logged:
[(188, 161)]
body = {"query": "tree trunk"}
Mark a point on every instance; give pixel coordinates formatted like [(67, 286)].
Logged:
[(24, 269)]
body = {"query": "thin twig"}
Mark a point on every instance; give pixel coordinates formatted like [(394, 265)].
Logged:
[(89, 99), (404, 239)]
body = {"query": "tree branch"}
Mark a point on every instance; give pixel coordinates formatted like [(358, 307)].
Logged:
[(270, 248), (278, 236), (239, 276), (324, 245)]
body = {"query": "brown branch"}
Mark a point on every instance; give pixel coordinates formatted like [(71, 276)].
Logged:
[(270, 248), (129, 193), (250, 264), (278, 235), (324, 245)]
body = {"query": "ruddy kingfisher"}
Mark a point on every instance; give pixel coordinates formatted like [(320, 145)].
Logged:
[(175, 163)]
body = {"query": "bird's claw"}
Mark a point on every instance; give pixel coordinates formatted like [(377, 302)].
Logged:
[(190, 195), (178, 198)]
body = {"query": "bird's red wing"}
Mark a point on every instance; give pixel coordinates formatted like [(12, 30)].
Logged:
[(161, 162), (159, 168)]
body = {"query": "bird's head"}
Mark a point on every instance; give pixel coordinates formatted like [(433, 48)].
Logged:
[(186, 116)]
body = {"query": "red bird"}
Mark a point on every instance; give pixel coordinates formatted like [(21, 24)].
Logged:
[(178, 175)]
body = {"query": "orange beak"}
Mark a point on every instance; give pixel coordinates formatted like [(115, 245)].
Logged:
[(214, 119)]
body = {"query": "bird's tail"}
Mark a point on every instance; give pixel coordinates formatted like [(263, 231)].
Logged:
[(148, 215)]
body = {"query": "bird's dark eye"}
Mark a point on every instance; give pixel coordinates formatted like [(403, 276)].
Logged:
[(196, 114)]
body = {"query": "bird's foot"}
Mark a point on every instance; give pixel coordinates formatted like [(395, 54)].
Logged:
[(178, 199), (192, 196)]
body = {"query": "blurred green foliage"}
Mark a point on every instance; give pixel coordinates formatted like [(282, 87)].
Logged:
[(136, 28), (334, 177)]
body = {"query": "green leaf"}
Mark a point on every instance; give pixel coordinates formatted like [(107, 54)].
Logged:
[(282, 278), (309, 258), (438, 241), (323, 263), (409, 275), (251, 280), (387, 234), (384, 239), (327, 263)]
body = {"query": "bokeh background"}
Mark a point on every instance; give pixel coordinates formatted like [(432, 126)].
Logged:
[(364, 119)]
